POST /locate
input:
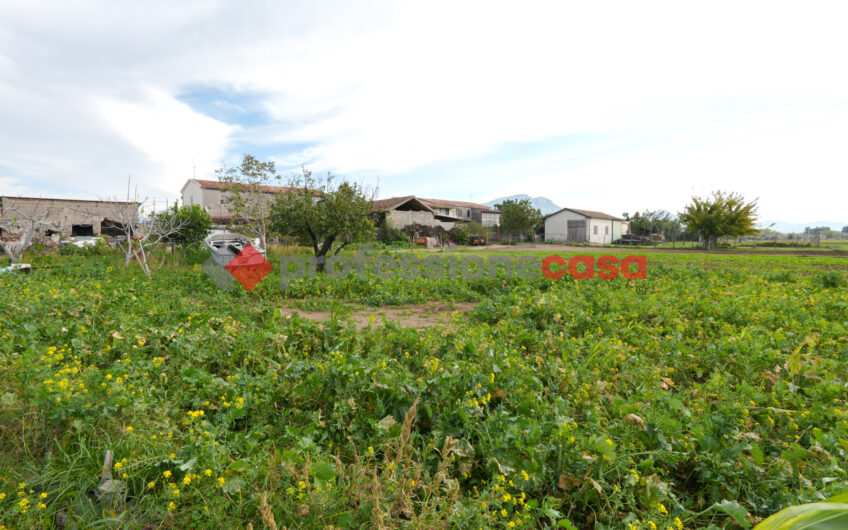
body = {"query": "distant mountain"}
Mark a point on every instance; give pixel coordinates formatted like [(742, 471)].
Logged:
[(545, 205), (788, 228)]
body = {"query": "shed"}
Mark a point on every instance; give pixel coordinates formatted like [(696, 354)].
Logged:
[(583, 226)]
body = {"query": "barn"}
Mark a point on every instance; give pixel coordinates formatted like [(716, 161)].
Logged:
[(51, 220), (583, 226)]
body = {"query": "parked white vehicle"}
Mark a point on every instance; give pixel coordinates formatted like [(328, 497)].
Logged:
[(225, 246), (82, 241)]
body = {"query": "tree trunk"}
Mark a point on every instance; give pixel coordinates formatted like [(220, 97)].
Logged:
[(142, 260), (16, 250), (321, 253), (130, 252)]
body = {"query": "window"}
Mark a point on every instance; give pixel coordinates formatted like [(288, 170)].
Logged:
[(224, 200), (82, 230), (595, 229), (467, 213)]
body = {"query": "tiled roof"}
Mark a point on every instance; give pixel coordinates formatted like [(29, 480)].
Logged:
[(50, 199), (441, 203), (384, 205), (218, 185)]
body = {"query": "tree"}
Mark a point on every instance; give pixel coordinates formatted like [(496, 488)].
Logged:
[(722, 214), (27, 220), (140, 235), (323, 214), (656, 222), (845, 229), (247, 193), (462, 232), (193, 221), (519, 217)]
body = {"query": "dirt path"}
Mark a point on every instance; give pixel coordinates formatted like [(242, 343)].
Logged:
[(418, 316)]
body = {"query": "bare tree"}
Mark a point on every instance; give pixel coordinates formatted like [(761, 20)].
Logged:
[(139, 234), (26, 219)]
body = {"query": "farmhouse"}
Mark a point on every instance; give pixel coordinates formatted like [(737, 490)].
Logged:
[(583, 226), (400, 212), (465, 211), (57, 219), (213, 197)]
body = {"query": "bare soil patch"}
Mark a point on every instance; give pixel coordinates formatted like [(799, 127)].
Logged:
[(418, 316)]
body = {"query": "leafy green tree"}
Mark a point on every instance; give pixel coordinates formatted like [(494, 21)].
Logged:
[(519, 217), (461, 232), (249, 200), (656, 222), (845, 229), (193, 224), (323, 214), (722, 214)]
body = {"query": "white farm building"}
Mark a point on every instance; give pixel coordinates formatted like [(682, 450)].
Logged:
[(584, 226)]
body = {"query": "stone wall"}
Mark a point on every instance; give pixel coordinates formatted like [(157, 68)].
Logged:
[(60, 218), (401, 219)]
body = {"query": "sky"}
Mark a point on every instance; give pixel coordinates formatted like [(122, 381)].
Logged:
[(610, 106)]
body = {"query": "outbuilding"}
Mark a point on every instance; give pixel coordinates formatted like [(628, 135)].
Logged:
[(583, 226)]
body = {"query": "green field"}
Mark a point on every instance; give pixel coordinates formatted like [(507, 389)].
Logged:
[(797, 246), (711, 394)]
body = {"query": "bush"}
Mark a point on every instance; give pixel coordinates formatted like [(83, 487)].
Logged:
[(830, 279), (460, 232), (388, 235)]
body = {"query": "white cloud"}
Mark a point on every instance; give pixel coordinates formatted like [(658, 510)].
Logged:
[(169, 133), (672, 95), (790, 168)]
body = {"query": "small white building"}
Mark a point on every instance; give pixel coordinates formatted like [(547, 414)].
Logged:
[(583, 226)]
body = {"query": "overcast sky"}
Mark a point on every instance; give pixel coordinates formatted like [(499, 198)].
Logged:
[(611, 106)]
